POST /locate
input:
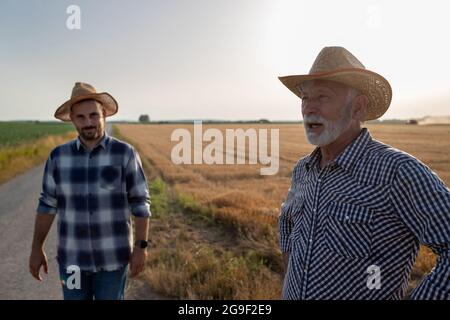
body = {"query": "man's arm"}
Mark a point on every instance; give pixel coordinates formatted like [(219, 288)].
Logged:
[(139, 200), (38, 258), (46, 211), (422, 201), (141, 228), (137, 188), (139, 255), (285, 225), (285, 261)]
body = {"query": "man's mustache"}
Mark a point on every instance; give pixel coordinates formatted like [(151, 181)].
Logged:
[(87, 128)]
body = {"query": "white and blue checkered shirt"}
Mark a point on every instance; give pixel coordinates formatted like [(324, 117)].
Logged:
[(93, 194), (367, 211)]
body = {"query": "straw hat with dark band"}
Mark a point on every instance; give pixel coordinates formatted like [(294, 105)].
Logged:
[(83, 91), (338, 64)]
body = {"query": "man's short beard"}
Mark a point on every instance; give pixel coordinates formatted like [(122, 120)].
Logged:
[(331, 129), (95, 135)]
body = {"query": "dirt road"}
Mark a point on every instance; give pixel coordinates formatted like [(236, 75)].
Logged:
[(18, 201)]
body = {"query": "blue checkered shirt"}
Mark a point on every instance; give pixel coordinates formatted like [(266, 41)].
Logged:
[(93, 194), (353, 228)]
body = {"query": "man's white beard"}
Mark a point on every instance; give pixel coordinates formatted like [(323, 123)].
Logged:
[(331, 129)]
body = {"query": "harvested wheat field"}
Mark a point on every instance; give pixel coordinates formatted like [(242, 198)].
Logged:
[(249, 202)]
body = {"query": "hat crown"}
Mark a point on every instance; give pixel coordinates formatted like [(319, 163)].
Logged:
[(334, 58), (81, 89), (84, 91)]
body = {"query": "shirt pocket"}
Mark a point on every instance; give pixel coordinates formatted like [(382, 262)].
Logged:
[(110, 177), (348, 230)]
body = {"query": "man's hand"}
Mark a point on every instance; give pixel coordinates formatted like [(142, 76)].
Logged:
[(38, 259), (137, 261)]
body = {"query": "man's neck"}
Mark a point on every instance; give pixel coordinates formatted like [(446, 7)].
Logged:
[(91, 144), (334, 149)]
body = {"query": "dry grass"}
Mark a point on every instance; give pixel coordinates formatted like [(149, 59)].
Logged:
[(19, 158), (192, 257), (193, 262), (239, 197)]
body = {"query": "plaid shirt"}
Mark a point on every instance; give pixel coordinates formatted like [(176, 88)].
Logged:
[(93, 192), (365, 212)]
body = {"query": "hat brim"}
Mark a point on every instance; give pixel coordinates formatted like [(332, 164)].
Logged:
[(108, 102), (369, 83)]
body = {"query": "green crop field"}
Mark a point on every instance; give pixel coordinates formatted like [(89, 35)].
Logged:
[(15, 132)]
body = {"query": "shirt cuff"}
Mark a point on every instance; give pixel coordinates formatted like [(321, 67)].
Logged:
[(141, 210), (44, 208)]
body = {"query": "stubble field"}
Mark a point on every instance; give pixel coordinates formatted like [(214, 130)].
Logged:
[(239, 197)]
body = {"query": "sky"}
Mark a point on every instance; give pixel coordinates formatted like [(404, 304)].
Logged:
[(215, 59)]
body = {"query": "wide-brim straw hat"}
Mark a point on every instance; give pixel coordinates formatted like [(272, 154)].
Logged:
[(84, 91), (338, 64)]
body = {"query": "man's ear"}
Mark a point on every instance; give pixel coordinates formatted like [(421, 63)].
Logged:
[(71, 115), (360, 105)]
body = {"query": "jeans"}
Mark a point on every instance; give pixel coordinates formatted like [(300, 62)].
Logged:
[(101, 285)]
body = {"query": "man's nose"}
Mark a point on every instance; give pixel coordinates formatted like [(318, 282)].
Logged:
[(309, 107), (88, 123)]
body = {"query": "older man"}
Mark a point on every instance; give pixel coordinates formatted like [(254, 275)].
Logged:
[(92, 183), (358, 209)]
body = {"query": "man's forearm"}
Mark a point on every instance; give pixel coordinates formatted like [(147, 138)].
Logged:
[(42, 227), (141, 227)]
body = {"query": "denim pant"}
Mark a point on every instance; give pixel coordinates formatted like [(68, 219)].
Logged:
[(101, 285)]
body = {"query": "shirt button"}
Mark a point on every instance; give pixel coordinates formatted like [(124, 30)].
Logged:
[(315, 210), (347, 217), (310, 240), (306, 270)]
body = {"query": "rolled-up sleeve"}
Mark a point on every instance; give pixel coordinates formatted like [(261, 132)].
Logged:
[(48, 199), (422, 201), (137, 187)]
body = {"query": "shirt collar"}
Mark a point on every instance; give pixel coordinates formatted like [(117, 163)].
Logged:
[(349, 156), (103, 142), (313, 158)]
